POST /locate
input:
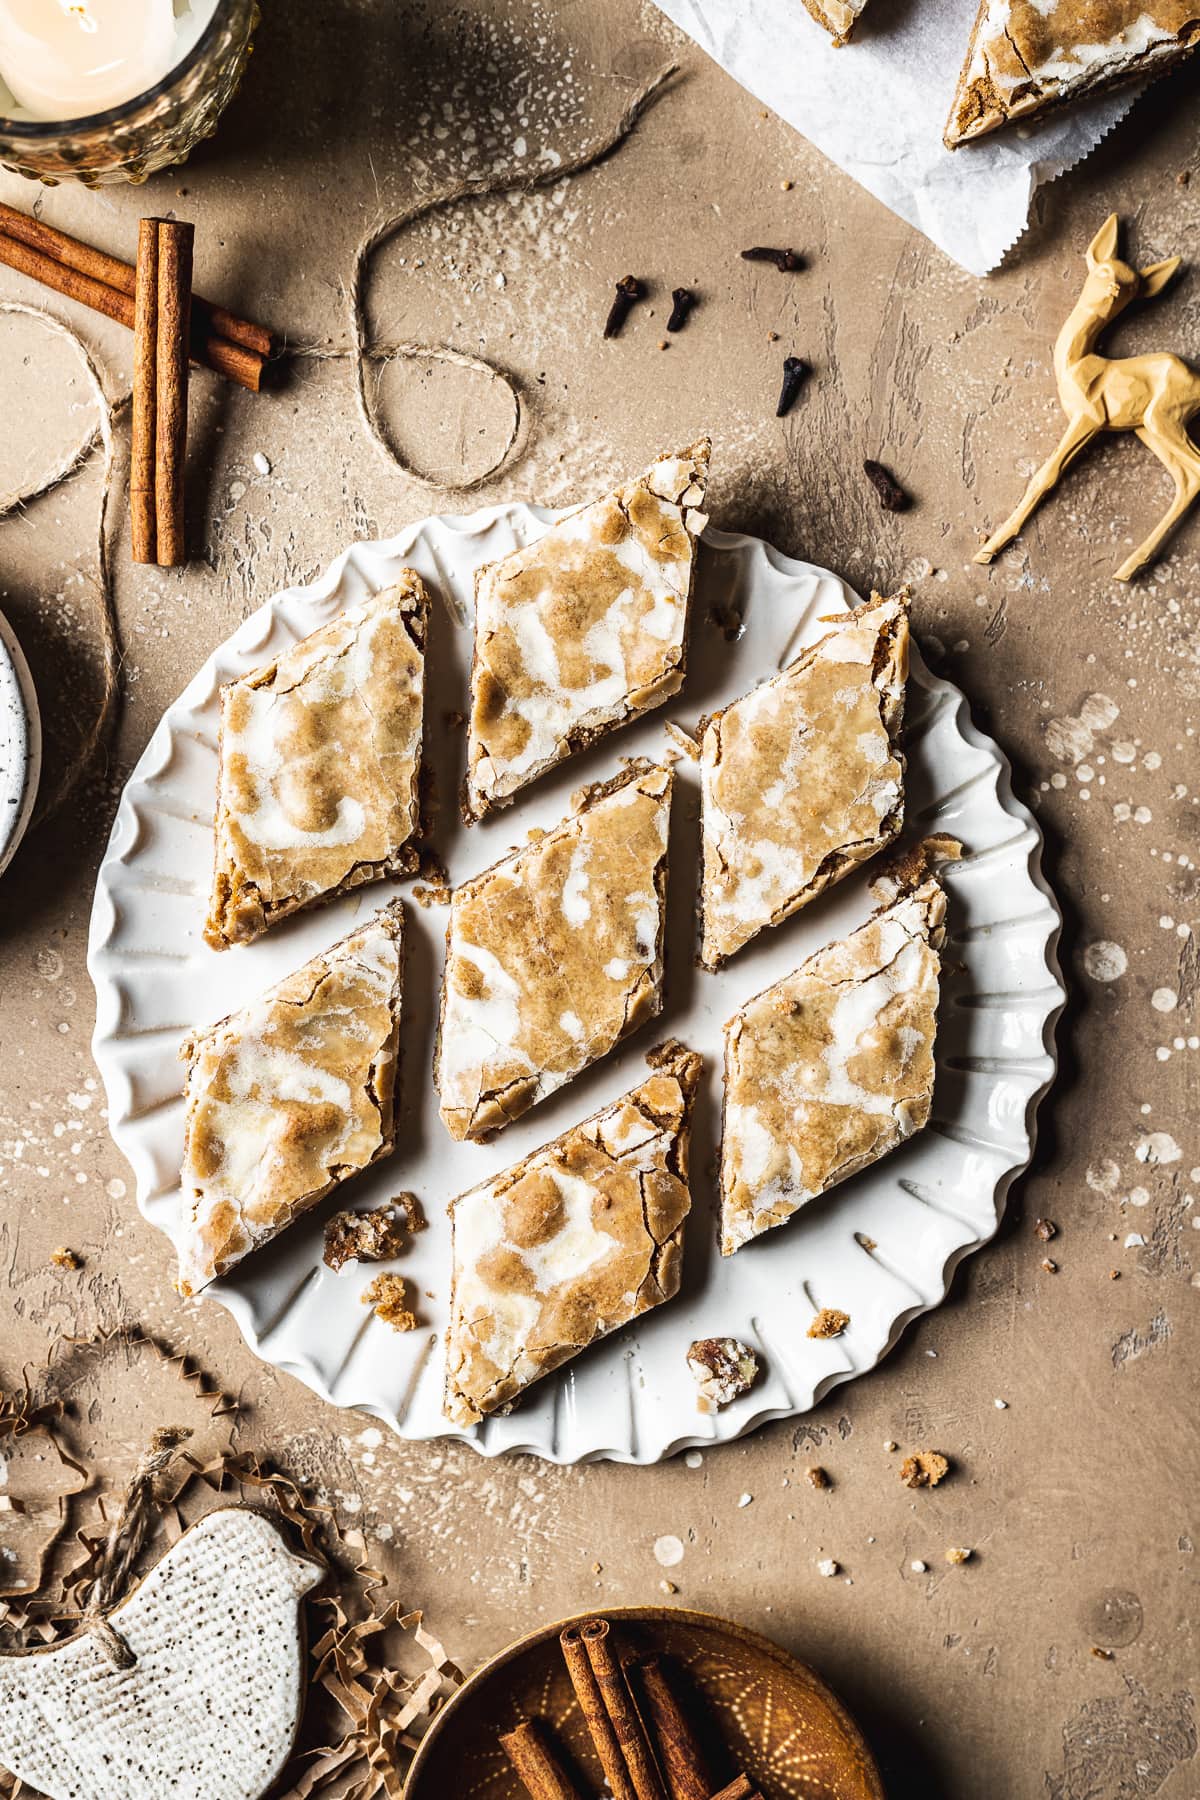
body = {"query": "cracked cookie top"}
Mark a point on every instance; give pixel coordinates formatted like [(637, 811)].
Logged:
[(288, 1097), (319, 758), (832, 1067), (583, 629), (554, 954), (802, 778), (1026, 55), (839, 17), (571, 1243)]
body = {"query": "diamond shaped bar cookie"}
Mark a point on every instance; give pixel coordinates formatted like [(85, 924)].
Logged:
[(571, 1243), (1027, 56), (832, 1067), (584, 629), (839, 17), (288, 1097), (554, 954), (802, 778), (320, 754)]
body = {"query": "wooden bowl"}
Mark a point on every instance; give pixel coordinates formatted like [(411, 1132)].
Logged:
[(771, 1715)]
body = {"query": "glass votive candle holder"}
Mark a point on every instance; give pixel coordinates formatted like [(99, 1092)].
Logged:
[(155, 128)]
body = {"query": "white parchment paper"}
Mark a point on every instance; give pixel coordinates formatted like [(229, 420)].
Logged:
[(877, 107)]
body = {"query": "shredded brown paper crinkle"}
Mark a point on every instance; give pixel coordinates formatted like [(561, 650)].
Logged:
[(376, 1675)]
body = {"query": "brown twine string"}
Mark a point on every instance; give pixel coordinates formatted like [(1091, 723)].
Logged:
[(107, 411), (126, 1540), (473, 187)]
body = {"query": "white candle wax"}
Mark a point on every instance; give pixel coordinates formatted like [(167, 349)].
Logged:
[(64, 59)]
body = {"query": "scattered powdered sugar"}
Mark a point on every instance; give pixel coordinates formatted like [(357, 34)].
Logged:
[(1104, 960), (1073, 738), (1158, 1147)]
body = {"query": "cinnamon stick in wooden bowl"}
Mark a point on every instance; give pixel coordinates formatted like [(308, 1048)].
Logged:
[(763, 1706)]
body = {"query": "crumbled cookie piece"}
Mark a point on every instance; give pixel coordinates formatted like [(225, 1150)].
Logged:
[(924, 1469), (723, 1368), (1102, 1655), (1050, 1266), (62, 1258), (818, 1478), (959, 1555), (1045, 1229), (829, 1323), (827, 1567), (387, 1294), (374, 1236), (684, 740)]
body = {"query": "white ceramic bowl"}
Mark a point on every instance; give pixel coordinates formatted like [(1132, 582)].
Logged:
[(20, 744)]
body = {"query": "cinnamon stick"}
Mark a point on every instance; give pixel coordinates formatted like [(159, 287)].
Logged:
[(740, 1788), (170, 382), (144, 420), (542, 1775), (591, 1705), (683, 1761), (618, 1704), (78, 273)]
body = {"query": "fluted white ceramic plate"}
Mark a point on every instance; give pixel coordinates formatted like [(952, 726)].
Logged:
[(881, 1247)]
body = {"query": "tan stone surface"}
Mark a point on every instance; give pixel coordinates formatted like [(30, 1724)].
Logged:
[(1077, 1500)]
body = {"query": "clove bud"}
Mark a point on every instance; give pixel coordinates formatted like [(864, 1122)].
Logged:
[(787, 260), (629, 289), (892, 496), (683, 300), (794, 370)]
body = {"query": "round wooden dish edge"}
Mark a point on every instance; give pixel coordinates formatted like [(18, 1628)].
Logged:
[(779, 1760)]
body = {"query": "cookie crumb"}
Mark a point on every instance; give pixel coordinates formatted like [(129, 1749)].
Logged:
[(829, 1323), (62, 1258), (959, 1556), (1050, 1267), (1045, 1229), (1114, 1274), (924, 1469), (387, 1295), (1103, 1655), (374, 1236), (668, 1587), (918, 1567), (828, 1567), (819, 1478), (722, 1368), (890, 1444)]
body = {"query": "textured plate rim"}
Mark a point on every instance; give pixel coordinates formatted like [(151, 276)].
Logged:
[(325, 587)]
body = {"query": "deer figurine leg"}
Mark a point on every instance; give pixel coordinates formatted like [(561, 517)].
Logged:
[(1078, 434), (1181, 458)]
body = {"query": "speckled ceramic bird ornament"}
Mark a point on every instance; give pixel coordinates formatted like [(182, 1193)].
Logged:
[(1153, 395), (192, 1687)]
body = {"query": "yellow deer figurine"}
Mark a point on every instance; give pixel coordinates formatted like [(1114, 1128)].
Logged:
[(1154, 395)]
